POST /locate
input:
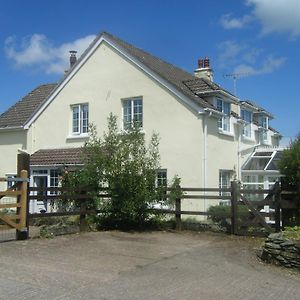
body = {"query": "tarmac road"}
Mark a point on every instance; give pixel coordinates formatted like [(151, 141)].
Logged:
[(150, 265)]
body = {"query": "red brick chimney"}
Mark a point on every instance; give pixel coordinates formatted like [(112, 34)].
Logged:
[(204, 70)]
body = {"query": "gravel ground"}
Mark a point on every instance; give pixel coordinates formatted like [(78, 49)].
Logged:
[(151, 265)]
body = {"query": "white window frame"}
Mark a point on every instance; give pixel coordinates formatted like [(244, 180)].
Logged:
[(264, 125), (223, 184), (224, 123), (132, 113), (10, 183), (82, 120), (162, 178), (247, 127)]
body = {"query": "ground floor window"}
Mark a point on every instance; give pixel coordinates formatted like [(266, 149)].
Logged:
[(162, 179), (224, 182), (54, 179), (10, 182)]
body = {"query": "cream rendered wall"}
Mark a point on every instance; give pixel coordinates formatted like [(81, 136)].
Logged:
[(10, 142), (103, 81)]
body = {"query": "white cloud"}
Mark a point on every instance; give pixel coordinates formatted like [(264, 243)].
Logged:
[(39, 53), (269, 65), (275, 16), (241, 58), (229, 52), (235, 23)]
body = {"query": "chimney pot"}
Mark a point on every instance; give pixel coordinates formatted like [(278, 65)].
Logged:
[(73, 58), (206, 62), (200, 63)]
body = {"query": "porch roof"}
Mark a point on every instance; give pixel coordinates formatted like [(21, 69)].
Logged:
[(57, 157)]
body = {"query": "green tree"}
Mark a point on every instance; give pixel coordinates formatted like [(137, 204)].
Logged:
[(125, 165), (289, 164)]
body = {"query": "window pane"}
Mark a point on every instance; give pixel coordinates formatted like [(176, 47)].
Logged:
[(162, 178), (75, 119), (138, 112), (127, 114), (85, 118), (226, 108)]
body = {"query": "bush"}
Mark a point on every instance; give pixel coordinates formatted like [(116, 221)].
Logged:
[(219, 213), (124, 165), (289, 164), (292, 233)]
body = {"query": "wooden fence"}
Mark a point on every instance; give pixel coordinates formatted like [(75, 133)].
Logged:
[(234, 195)]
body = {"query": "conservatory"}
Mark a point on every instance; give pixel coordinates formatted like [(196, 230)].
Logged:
[(261, 170)]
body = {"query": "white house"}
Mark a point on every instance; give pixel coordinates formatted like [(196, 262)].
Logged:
[(207, 135)]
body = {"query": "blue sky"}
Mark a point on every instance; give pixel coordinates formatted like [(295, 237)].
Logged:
[(258, 39)]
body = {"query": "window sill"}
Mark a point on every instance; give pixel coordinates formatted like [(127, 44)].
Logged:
[(228, 133), (77, 136), (123, 131), (248, 139)]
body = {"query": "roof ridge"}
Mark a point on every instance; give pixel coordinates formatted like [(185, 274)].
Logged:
[(146, 52)]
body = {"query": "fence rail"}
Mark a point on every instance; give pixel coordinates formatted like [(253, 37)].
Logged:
[(234, 195)]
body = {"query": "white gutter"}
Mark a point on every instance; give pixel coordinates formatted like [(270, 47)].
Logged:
[(12, 128)]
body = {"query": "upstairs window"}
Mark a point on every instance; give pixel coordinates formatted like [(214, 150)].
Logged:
[(132, 113), (263, 122), (224, 122), (247, 117), (80, 118)]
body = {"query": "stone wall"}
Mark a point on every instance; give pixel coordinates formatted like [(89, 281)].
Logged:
[(281, 251)]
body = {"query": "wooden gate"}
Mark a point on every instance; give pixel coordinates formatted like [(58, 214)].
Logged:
[(254, 215), (13, 203)]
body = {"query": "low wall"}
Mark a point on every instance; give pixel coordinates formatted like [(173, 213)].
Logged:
[(281, 251)]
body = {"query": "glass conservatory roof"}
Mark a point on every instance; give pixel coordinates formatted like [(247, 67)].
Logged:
[(263, 161)]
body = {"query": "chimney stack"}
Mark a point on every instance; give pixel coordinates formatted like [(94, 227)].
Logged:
[(73, 58), (204, 70)]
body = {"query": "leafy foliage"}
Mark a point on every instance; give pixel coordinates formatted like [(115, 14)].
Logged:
[(122, 163), (289, 164), (292, 233)]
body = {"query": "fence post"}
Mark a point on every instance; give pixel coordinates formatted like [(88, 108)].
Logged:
[(23, 163), (277, 196), (235, 195), (178, 213), (82, 217)]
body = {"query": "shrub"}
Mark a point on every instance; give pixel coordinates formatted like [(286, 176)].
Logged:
[(126, 166), (292, 233), (289, 164), (219, 213)]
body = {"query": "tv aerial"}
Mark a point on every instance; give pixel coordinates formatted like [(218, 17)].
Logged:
[(235, 77)]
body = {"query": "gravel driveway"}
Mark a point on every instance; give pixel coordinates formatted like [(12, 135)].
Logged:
[(151, 265)]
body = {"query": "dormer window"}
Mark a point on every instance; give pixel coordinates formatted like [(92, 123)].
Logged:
[(224, 122), (263, 122), (246, 116)]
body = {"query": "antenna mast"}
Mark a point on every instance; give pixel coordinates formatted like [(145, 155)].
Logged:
[(234, 77)]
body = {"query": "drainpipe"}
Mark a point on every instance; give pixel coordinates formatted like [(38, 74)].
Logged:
[(204, 181)]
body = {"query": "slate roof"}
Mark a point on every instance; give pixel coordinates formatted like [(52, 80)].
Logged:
[(257, 107), (174, 75), (57, 157), (20, 113)]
